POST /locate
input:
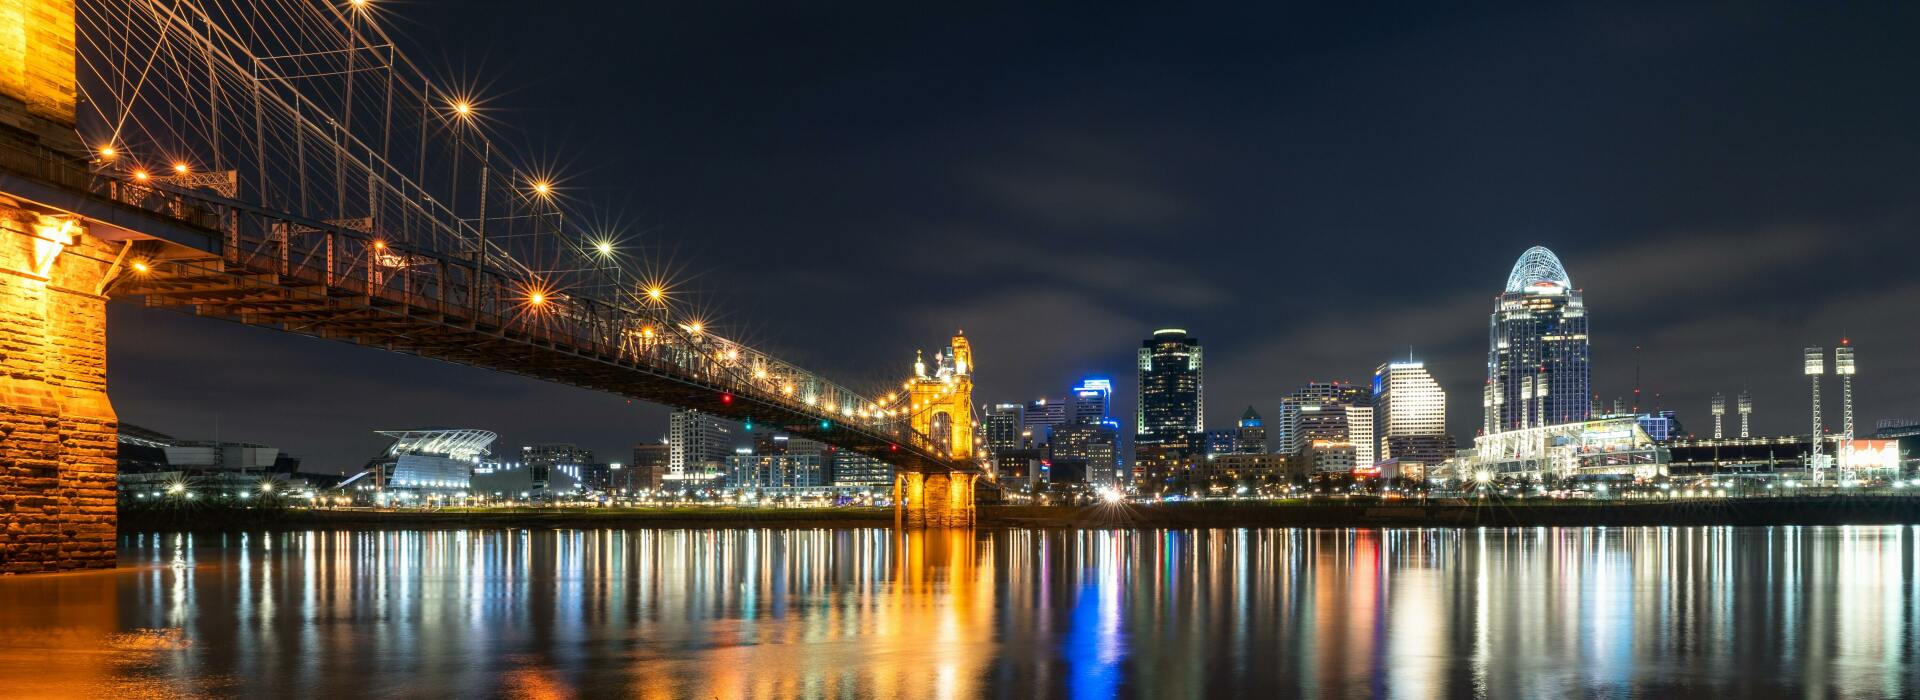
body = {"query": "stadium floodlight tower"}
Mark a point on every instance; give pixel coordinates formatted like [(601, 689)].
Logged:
[(1719, 414), (1843, 366), (1746, 414), (1816, 366)]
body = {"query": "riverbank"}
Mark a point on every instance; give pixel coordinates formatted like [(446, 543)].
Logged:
[(477, 518), (1864, 510), (1860, 510)]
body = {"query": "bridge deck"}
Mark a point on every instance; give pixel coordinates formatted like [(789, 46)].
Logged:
[(202, 254)]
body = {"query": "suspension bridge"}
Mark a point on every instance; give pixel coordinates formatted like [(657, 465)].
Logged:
[(283, 164)]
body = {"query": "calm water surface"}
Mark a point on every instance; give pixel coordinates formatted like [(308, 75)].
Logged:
[(1814, 612)]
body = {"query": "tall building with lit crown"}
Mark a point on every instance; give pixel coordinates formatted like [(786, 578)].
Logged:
[(1407, 402), (1172, 387), (1168, 430), (1538, 369)]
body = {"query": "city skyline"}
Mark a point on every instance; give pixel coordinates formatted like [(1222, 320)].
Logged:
[(1394, 238), (1652, 400), (899, 350)]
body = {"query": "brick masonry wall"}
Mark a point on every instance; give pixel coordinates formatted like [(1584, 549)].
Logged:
[(38, 85), (58, 432)]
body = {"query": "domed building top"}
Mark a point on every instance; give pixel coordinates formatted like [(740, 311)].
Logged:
[(1536, 266)]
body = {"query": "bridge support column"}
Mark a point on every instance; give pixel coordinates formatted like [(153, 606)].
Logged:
[(58, 432), (933, 500)]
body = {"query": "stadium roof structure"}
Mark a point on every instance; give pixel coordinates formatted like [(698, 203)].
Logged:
[(458, 443)]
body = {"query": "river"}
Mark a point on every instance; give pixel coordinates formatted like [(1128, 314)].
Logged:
[(1532, 612)]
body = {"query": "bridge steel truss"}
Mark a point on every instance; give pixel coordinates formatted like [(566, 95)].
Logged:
[(226, 259), (281, 163)]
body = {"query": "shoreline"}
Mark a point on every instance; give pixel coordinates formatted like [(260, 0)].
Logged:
[(1447, 513)]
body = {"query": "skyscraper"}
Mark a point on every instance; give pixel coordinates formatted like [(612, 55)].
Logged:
[(1537, 355), (1001, 430), (1407, 402), (1092, 400), (697, 445), (1039, 419), (1172, 394), (1317, 411), (1361, 431), (1251, 437), (1172, 388), (1085, 451)]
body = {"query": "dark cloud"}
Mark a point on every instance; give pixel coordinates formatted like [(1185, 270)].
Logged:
[(1069, 182)]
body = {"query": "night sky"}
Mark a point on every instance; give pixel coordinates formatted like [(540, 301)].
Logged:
[(1309, 191)]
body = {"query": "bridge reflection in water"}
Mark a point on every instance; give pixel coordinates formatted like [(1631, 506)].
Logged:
[(807, 613)]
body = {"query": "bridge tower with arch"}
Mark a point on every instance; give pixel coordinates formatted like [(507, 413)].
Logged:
[(941, 408)]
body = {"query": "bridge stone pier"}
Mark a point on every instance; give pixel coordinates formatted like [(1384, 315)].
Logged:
[(933, 499), (57, 428)]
